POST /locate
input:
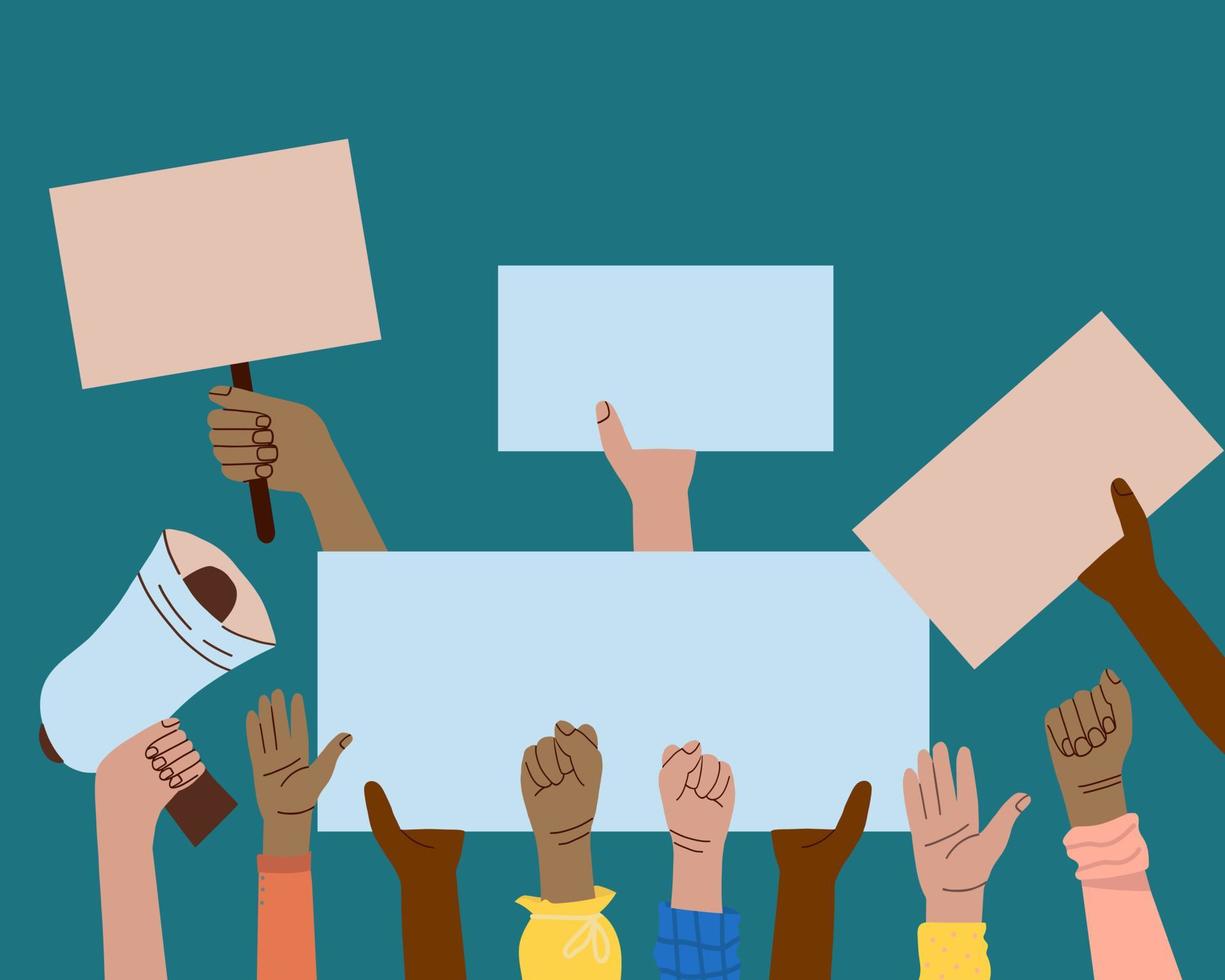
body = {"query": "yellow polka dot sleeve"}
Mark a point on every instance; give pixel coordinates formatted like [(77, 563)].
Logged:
[(953, 950)]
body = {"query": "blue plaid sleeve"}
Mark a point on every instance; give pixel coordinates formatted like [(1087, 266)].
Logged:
[(698, 945)]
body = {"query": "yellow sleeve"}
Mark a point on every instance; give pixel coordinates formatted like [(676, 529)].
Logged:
[(953, 951), (570, 940)]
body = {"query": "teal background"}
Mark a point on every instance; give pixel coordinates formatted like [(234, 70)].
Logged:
[(984, 181)]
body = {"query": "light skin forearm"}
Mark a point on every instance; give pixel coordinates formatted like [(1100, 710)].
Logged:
[(341, 519), (1180, 650), (697, 879), (662, 524), (956, 907), (131, 919)]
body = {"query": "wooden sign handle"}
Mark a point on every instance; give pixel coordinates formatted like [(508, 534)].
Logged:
[(261, 502)]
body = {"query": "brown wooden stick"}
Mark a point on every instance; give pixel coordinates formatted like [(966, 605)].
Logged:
[(261, 501)]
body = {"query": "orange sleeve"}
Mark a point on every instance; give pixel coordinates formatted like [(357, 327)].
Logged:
[(285, 949)]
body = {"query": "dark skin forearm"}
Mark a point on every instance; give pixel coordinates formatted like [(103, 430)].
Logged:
[(803, 928), (1180, 649), (430, 925)]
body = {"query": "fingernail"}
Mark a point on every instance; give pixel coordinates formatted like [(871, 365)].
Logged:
[(165, 774), (344, 742), (565, 728), (262, 435), (170, 722), (176, 782), (1114, 678), (262, 421), (1081, 747), (265, 452), (263, 471), (691, 746), (1120, 487), (159, 763), (602, 411), (1022, 803), (221, 390), (150, 753)]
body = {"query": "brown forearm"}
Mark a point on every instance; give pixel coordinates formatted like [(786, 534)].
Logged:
[(1183, 653), (565, 871), (433, 937), (803, 929), (341, 519)]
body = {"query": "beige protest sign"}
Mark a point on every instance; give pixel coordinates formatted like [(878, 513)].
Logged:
[(989, 532), (215, 263)]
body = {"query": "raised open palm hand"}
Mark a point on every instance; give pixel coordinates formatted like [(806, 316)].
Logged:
[(287, 783), (953, 856)]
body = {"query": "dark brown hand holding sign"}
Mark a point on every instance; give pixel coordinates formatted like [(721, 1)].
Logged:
[(425, 862), (808, 866), (1126, 576)]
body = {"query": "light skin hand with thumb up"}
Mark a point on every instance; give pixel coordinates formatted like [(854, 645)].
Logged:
[(698, 792), (287, 784), (657, 481)]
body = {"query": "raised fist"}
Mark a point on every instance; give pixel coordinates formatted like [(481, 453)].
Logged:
[(698, 793), (560, 778), (952, 856), (1088, 735)]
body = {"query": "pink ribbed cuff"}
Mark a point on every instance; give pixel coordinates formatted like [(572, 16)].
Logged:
[(1108, 850)]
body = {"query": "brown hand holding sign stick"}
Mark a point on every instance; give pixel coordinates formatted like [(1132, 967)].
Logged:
[(271, 442), (1126, 576)]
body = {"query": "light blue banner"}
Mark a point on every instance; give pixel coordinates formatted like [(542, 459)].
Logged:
[(711, 357), (805, 671)]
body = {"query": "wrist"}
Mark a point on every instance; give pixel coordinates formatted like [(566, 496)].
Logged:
[(956, 906), (565, 870), (327, 473), (1095, 802), (661, 523), (286, 836), (697, 880), (1136, 592)]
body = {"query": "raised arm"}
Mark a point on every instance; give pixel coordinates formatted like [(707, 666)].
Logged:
[(1088, 736), (808, 866), (568, 934), (255, 436), (954, 859), (1126, 576), (657, 481), (134, 784), (425, 862), (698, 936), (287, 787)]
